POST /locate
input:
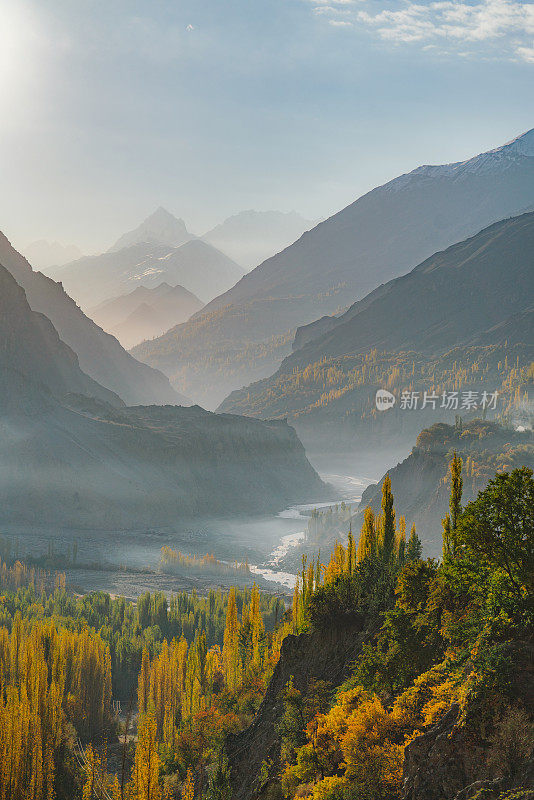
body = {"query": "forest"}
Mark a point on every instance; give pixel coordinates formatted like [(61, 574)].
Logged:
[(104, 698)]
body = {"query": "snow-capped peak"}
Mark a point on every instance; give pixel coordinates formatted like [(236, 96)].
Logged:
[(524, 144), (499, 158)]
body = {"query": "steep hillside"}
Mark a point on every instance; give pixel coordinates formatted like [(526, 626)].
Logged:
[(452, 298), (243, 335), (33, 353), (305, 660), (71, 454), (454, 323), (437, 702), (100, 355), (420, 483), (195, 265)]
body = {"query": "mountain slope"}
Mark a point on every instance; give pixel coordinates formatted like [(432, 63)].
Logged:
[(461, 320), (465, 290), (161, 227), (243, 334), (250, 237), (33, 353), (145, 313), (201, 268), (420, 482), (196, 265), (88, 461), (100, 355)]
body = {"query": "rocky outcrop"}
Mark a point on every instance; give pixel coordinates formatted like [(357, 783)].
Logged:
[(320, 656), (483, 753)]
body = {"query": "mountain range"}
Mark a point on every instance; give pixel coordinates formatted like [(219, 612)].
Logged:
[(100, 355), (244, 334), (195, 265), (461, 320), (35, 364), (73, 455), (145, 313)]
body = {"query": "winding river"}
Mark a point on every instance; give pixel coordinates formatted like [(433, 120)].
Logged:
[(347, 488)]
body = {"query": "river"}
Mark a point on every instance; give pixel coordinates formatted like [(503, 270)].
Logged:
[(126, 562), (347, 488)]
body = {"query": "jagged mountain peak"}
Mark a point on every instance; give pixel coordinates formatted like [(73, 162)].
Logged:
[(160, 227), (162, 215)]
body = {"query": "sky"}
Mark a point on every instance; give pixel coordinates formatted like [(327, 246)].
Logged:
[(110, 108)]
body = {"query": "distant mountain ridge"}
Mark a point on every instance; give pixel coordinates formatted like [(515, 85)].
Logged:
[(145, 313), (43, 254), (243, 334), (100, 355), (251, 236), (195, 265)]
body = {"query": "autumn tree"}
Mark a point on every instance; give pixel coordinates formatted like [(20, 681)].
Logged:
[(231, 643), (367, 544), (145, 784)]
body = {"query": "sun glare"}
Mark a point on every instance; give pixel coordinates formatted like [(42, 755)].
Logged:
[(18, 38)]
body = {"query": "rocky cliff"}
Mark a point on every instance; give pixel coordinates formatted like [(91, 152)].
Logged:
[(254, 754), (483, 755)]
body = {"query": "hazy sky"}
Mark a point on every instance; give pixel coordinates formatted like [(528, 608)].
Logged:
[(109, 108)]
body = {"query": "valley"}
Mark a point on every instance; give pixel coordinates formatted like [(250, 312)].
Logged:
[(266, 492), (126, 562)]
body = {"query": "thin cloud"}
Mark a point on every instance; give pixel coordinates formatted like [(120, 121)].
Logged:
[(492, 28)]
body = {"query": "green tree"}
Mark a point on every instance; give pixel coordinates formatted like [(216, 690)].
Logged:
[(498, 529), (414, 548), (450, 523), (388, 519)]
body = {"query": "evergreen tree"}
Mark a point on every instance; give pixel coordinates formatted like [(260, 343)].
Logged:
[(387, 520), (450, 522), (414, 548), (455, 501), (401, 540)]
